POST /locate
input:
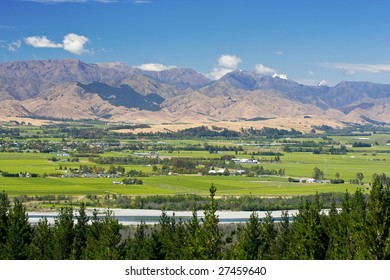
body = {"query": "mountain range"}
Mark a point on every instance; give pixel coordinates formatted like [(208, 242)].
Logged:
[(115, 92)]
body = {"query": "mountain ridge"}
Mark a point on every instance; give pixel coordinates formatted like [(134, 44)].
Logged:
[(114, 90)]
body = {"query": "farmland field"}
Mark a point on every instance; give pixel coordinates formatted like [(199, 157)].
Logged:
[(151, 156), (167, 185)]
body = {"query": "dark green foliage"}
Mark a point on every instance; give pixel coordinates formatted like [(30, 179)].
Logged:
[(318, 174), (361, 145), (360, 177), (139, 247), (211, 235), (93, 237), (309, 238), (4, 208), (194, 230), (272, 133), (132, 181), (204, 131), (108, 245), (250, 239), (64, 234), (80, 234), (41, 247), (18, 233), (269, 234), (104, 239), (378, 218), (337, 181), (283, 237)]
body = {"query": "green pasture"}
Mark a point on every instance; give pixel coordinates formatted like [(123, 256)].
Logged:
[(39, 163), (166, 185), (380, 138), (193, 154), (295, 165), (27, 162), (302, 164)]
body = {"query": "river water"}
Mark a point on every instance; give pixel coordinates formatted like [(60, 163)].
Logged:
[(135, 216)]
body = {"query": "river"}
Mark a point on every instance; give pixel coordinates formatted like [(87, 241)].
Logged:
[(135, 216)]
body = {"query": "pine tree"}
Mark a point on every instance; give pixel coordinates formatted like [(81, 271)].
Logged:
[(250, 239), (282, 238), (41, 247), (212, 237), (350, 241), (155, 240), (64, 234), (80, 234), (166, 231), (358, 225), (268, 233), (109, 245), (4, 209), (332, 229), (139, 247), (181, 241), (378, 217), (104, 239), (309, 239), (93, 235), (19, 233), (194, 230)]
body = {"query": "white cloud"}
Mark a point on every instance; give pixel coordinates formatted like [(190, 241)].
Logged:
[(218, 73), (352, 69), (261, 69), (155, 67), (229, 61), (74, 43), (41, 42), (14, 46), (226, 63), (279, 52), (311, 73)]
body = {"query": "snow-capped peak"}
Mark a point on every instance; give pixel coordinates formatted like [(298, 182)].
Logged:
[(323, 83), (280, 76)]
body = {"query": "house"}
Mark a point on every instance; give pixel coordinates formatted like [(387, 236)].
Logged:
[(218, 172), (245, 160), (307, 180), (63, 155)]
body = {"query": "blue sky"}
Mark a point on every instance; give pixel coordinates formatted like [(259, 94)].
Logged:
[(309, 41)]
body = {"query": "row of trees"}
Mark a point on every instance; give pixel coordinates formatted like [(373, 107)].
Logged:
[(359, 230)]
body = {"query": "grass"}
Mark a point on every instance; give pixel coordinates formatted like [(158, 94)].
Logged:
[(166, 185), (302, 164), (295, 165), (39, 163)]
